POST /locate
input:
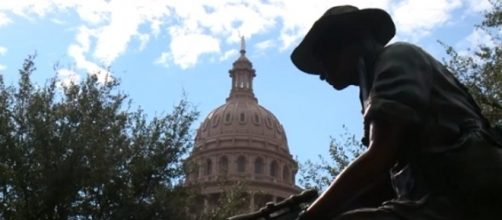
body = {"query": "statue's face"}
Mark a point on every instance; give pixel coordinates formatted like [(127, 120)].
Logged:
[(340, 66)]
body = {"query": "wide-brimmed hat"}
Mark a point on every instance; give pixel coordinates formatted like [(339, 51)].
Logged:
[(338, 21)]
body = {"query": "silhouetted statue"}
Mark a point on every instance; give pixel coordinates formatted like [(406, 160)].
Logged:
[(426, 136), (287, 209)]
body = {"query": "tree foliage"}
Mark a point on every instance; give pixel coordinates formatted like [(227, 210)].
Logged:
[(342, 150), (480, 70), (232, 201), (79, 152)]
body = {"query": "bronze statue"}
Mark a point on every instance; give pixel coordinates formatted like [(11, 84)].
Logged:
[(288, 209), (426, 137)]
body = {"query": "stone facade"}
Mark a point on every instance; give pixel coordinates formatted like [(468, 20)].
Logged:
[(243, 141)]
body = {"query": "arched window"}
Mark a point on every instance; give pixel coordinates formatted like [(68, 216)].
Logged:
[(256, 119), (237, 80), (215, 120), (223, 165), (241, 164), (286, 174), (209, 167), (268, 122), (258, 166), (243, 117), (273, 169)]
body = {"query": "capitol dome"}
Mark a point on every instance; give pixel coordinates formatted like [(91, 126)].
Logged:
[(243, 141), (242, 118)]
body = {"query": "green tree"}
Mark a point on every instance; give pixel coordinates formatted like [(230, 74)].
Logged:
[(79, 152), (320, 174), (480, 70), (232, 201)]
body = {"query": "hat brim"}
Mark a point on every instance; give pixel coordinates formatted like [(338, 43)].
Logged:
[(376, 21)]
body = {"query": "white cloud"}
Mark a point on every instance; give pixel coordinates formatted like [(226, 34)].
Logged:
[(297, 19), (4, 20), (186, 47), (471, 43), (113, 38), (143, 40), (478, 37), (93, 12), (31, 9), (298, 16), (202, 27), (21, 8), (3, 50), (67, 77), (477, 6), (112, 23), (58, 21), (264, 45), (78, 52), (229, 54), (163, 59), (416, 19), (115, 23)]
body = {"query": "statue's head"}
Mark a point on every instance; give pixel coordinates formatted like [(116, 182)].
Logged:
[(336, 41)]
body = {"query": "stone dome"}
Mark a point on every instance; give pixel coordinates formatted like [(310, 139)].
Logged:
[(242, 140), (242, 118)]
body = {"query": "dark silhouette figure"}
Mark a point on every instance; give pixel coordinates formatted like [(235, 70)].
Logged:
[(426, 137)]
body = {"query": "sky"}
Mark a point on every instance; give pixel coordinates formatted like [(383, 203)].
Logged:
[(162, 49)]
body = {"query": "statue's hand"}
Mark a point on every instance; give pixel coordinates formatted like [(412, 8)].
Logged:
[(287, 209), (301, 216), (309, 215)]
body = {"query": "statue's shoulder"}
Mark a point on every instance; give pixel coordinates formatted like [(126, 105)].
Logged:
[(402, 53), (402, 48)]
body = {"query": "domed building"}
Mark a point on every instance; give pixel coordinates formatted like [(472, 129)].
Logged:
[(243, 141)]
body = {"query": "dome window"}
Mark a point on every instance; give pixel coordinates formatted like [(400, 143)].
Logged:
[(285, 174), (241, 164), (223, 165), (215, 121), (256, 119), (268, 122), (204, 126), (258, 166), (242, 117), (278, 128), (273, 168), (210, 115), (209, 167), (228, 118)]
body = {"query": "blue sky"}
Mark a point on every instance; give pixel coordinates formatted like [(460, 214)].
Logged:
[(160, 49)]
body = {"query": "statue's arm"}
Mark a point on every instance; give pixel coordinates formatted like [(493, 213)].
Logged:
[(380, 156)]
